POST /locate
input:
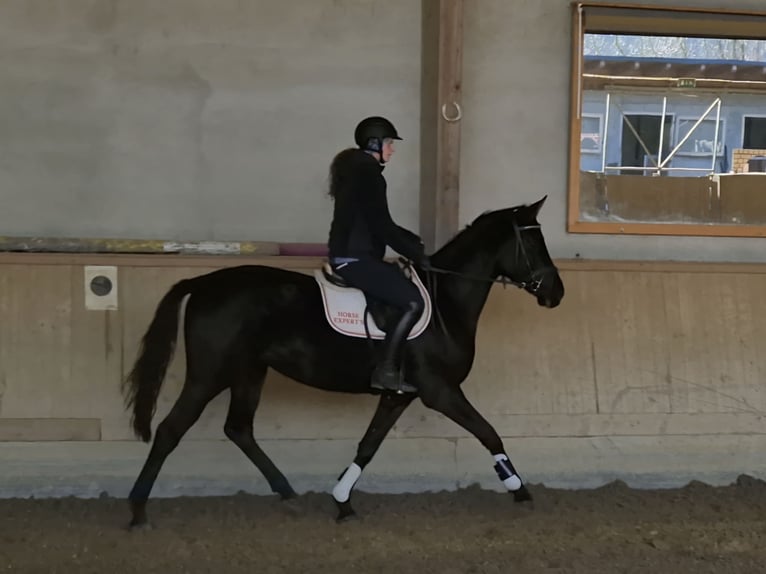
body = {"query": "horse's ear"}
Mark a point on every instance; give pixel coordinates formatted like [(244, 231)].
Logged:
[(535, 207)]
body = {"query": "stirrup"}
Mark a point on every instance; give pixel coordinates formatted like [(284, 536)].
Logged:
[(385, 378)]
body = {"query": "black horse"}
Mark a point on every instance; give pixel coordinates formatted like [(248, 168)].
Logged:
[(242, 320)]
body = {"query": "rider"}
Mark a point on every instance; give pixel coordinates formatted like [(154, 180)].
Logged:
[(362, 228)]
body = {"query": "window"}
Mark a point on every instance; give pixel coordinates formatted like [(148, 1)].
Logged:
[(754, 133), (590, 135), (698, 137), (667, 114)]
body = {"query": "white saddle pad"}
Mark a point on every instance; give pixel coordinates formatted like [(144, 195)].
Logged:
[(345, 307)]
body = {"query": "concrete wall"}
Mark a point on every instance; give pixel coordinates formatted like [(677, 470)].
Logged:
[(648, 373), (194, 120)]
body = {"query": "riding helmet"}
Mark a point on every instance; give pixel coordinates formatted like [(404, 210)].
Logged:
[(370, 133)]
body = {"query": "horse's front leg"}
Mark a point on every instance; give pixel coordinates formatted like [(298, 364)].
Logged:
[(452, 403), (390, 408)]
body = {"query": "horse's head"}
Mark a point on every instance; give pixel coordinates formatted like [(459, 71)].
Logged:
[(523, 257)]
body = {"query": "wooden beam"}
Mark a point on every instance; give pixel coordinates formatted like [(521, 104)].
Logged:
[(159, 260), (441, 90), (109, 245)]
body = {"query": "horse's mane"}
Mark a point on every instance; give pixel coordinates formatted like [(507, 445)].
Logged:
[(491, 225)]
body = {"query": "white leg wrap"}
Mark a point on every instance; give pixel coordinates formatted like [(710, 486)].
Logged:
[(513, 482), (342, 490)]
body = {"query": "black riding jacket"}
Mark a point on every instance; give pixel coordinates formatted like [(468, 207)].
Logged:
[(362, 226)]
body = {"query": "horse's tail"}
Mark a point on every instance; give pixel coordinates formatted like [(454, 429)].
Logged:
[(142, 386)]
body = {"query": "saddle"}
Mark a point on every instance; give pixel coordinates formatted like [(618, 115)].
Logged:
[(351, 312)]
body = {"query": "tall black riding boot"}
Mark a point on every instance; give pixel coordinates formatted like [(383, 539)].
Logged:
[(387, 375)]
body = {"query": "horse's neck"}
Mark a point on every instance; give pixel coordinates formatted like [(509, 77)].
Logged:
[(465, 296)]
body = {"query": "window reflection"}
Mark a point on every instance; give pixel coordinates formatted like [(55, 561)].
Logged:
[(672, 129)]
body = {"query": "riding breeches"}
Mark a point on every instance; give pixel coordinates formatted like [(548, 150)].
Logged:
[(382, 281)]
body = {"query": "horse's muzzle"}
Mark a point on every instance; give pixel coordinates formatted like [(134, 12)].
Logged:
[(549, 303), (551, 294)]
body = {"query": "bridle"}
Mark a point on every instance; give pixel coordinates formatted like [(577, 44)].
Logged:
[(534, 279)]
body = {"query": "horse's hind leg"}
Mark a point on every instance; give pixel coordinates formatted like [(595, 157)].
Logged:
[(245, 395), (186, 411), (453, 403), (390, 408)]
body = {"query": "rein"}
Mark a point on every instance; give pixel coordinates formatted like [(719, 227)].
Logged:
[(536, 276), (502, 280)]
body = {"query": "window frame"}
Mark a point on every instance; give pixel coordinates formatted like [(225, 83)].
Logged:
[(575, 224)]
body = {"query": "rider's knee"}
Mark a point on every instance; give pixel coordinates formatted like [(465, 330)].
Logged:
[(416, 305)]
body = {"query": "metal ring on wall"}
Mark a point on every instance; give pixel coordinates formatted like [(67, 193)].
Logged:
[(457, 117)]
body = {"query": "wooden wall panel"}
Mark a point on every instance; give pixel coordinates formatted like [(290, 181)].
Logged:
[(630, 341), (718, 348), (95, 355), (678, 343), (35, 339), (632, 349), (529, 359)]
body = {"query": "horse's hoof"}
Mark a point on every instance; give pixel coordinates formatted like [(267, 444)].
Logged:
[(522, 494), (290, 505), (346, 516), (345, 511), (136, 526), (349, 517)]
